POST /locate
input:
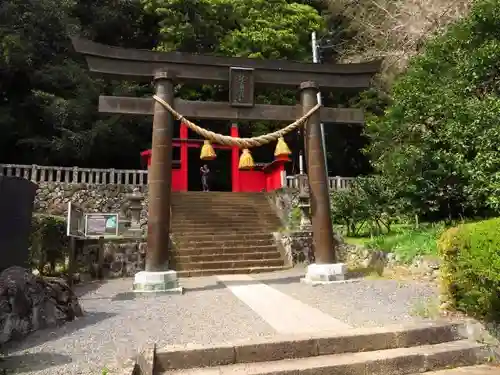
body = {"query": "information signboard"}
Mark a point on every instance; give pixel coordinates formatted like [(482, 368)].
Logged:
[(75, 226), (101, 224)]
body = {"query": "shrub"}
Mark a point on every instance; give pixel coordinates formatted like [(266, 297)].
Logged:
[(368, 202), (48, 242), (471, 268)]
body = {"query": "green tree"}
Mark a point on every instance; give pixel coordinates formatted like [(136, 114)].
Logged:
[(48, 101), (277, 29), (438, 142)]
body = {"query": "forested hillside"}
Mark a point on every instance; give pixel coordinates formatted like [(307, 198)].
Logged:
[(48, 110)]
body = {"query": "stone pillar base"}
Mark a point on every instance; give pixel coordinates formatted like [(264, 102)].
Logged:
[(157, 282), (325, 274)]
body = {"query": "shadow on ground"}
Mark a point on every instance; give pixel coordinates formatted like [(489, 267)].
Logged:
[(85, 288), (30, 362), (361, 272), (39, 337)]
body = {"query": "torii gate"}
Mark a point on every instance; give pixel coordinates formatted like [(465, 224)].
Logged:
[(242, 75)]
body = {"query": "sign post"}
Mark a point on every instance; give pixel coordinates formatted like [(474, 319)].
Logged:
[(81, 225), (74, 230)]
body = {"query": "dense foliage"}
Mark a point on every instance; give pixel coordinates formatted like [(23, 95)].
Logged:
[(471, 268), (48, 100), (49, 245), (368, 203), (438, 142)]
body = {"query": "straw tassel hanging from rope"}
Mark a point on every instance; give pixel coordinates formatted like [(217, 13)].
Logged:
[(207, 151), (246, 160), (282, 150)]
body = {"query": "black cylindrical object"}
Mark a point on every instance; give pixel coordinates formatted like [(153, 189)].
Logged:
[(17, 196)]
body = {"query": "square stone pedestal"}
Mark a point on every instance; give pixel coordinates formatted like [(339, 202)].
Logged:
[(157, 282), (325, 273)]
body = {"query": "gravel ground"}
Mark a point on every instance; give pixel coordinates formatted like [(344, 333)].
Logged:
[(116, 324), (364, 303)]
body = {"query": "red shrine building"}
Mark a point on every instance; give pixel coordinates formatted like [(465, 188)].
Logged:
[(262, 177)]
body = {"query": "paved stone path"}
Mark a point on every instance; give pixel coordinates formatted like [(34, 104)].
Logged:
[(213, 309)]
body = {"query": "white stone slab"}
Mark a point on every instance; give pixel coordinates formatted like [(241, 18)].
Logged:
[(282, 312)]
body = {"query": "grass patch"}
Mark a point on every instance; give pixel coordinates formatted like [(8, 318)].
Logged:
[(358, 241), (406, 241)]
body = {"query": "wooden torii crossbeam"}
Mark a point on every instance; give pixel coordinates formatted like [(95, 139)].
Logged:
[(242, 75)]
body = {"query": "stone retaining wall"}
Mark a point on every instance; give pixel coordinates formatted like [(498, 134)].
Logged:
[(53, 197), (121, 258), (298, 249)]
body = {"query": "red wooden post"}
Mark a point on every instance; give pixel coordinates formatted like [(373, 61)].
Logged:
[(235, 157), (184, 156)]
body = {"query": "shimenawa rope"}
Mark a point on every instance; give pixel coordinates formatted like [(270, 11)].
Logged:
[(233, 141)]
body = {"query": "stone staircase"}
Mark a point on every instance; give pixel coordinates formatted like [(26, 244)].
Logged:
[(223, 233), (433, 348)]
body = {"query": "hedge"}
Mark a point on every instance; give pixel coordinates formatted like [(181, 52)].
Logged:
[(48, 243), (471, 268)]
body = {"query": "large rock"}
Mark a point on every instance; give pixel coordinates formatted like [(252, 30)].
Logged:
[(29, 303)]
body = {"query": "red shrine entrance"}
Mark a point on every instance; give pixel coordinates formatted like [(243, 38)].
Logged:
[(263, 177)]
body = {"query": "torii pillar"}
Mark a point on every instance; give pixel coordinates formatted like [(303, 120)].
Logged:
[(157, 277), (325, 269)]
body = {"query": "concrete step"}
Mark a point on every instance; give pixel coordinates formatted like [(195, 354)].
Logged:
[(288, 347), (207, 251), (216, 214), (220, 201), (225, 271), (398, 361), (243, 204), (187, 231), (224, 237), (219, 193), (226, 222), (392, 350), (469, 370), (211, 213), (228, 264), (224, 243), (270, 255)]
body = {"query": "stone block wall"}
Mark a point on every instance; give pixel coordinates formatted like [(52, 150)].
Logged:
[(122, 258), (53, 197)]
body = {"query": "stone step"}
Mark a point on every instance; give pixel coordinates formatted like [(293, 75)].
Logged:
[(222, 220), (224, 271), (236, 213), (190, 251), (220, 201), (231, 207), (469, 370), (221, 214), (216, 193), (224, 237), (398, 361), (228, 264), (224, 243), (228, 224), (269, 255), (221, 195), (205, 230), (367, 342)]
